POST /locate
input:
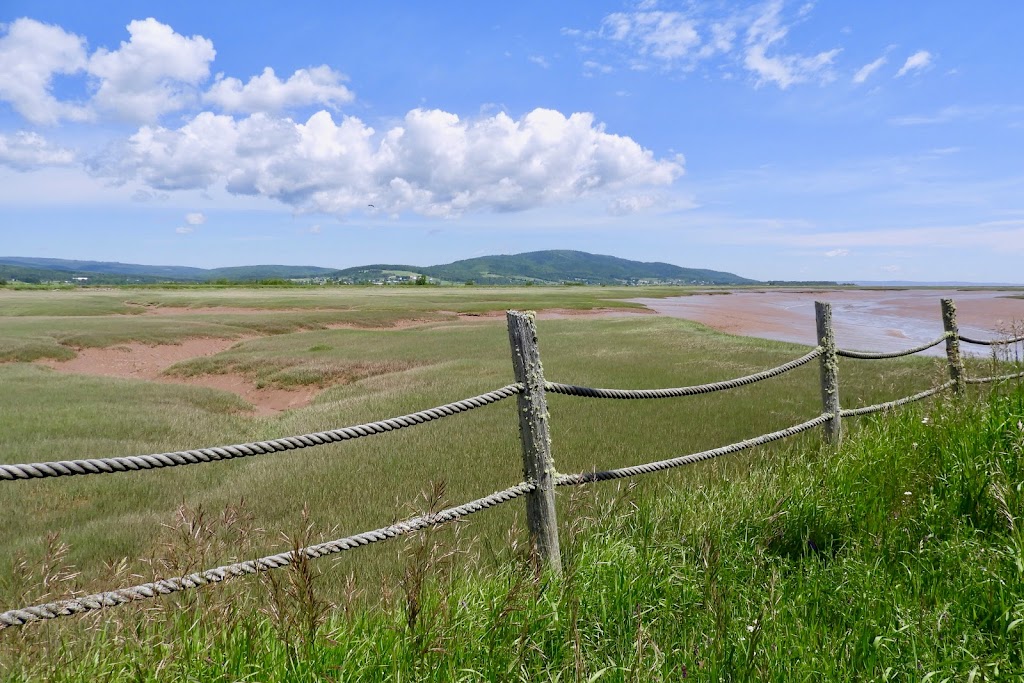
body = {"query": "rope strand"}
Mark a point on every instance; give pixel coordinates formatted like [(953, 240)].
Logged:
[(990, 342), (878, 407), (659, 465), (68, 468), (871, 355), (88, 603), (592, 392)]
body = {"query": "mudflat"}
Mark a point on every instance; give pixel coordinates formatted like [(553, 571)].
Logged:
[(864, 319)]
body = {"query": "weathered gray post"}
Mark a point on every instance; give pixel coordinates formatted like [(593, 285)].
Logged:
[(956, 362), (829, 371), (538, 465)]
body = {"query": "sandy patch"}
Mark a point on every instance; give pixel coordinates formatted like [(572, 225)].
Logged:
[(225, 310), (561, 313), (870, 320), (139, 361), (265, 401), (143, 362), (393, 325)]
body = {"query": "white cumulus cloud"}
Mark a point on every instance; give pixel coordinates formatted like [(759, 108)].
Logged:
[(319, 85), (155, 72), (864, 73), (26, 151), (184, 230), (433, 163), (832, 253), (915, 62), (31, 54), (196, 218)]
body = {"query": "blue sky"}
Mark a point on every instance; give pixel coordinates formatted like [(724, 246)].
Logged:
[(777, 140)]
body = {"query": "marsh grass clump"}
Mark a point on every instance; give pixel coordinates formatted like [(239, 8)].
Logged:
[(296, 606)]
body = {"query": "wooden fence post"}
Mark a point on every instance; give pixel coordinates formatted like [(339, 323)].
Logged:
[(829, 371), (538, 465), (956, 362)]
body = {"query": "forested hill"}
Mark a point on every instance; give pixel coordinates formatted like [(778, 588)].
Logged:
[(537, 267), (555, 266)]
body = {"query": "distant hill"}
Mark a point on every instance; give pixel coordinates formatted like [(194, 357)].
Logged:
[(540, 267), (104, 268), (42, 275), (28, 269), (553, 267), (267, 272)]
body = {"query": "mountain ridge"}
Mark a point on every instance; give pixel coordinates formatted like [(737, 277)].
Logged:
[(555, 266)]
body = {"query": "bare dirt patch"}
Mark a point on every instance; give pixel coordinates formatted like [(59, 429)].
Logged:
[(224, 310), (143, 362), (561, 313), (402, 324), (265, 400), (139, 361)]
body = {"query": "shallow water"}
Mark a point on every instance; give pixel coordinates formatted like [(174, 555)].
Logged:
[(864, 320)]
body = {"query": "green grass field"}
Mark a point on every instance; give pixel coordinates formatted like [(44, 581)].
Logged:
[(402, 350)]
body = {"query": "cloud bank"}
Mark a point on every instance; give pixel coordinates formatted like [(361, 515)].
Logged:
[(434, 163), (25, 151), (155, 72)]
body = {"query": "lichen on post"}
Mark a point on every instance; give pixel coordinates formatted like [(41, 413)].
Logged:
[(829, 371), (956, 361), (538, 465)]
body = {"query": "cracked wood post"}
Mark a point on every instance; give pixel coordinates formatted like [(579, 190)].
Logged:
[(829, 371), (538, 465), (956, 362)]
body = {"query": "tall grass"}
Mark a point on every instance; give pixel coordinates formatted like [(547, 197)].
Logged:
[(899, 556)]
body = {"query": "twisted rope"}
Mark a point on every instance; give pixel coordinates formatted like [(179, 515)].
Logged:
[(64, 608), (990, 342), (997, 378), (867, 355), (621, 473), (866, 410), (67, 468), (592, 392)]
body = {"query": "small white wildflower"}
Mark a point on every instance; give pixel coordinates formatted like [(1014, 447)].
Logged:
[(925, 420), (907, 493)]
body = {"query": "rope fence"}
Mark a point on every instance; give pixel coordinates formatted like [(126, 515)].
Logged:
[(998, 378), (65, 608), (592, 392), (866, 355), (661, 465), (542, 477), (990, 342), (132, 463), (889, 405)]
